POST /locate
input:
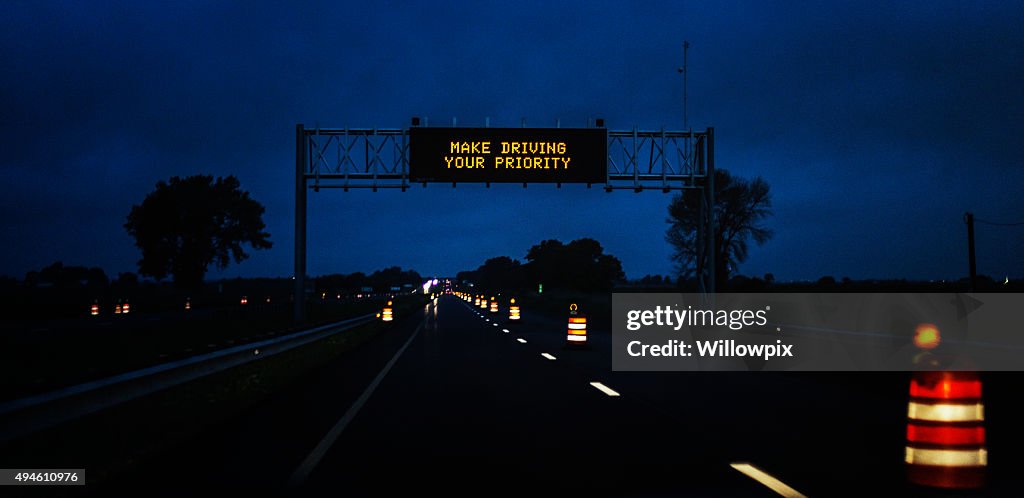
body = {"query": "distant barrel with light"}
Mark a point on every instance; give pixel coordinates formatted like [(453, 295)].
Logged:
[(577, 331), (946, 431), (94, 309), (483, 303), (387, 314), (188, 303), (126, 308), (513, 310), (117, 309), (476, 301), (244, 300), (494, 305)]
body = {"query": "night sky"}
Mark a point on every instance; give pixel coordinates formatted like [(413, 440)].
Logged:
[(875, 126)]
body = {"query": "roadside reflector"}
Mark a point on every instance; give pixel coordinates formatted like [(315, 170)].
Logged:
[(946, 431)]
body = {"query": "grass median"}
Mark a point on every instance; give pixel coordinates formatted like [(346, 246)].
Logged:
[(116, 439), (32, 363)]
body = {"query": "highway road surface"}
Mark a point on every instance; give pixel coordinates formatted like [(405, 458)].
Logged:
[(456, 400)]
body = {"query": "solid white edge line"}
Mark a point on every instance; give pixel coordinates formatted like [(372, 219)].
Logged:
[(767, 480), (310, 462), (605, 389)]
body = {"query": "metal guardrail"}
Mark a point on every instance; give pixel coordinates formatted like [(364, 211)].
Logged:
[(24, 416)]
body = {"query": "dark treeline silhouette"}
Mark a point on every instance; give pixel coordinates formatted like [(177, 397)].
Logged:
[(829, 283), (63, 292), (379, 281), (579, 265), (655, 281)]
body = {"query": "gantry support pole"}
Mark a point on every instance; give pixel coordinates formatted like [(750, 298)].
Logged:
[(712, 238)]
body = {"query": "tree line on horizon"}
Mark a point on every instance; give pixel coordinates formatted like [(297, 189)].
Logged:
[(186, 225), (579, 265)]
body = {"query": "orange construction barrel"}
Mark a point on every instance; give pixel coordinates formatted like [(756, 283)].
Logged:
[(577, 331), (946, 431)]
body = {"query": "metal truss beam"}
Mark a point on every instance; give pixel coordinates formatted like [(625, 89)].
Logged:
[(378, 158)]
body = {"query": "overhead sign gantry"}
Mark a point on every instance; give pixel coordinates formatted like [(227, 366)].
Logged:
[(373, 158), (507, 155)]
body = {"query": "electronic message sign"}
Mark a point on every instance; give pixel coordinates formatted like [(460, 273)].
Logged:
[(518, 155)]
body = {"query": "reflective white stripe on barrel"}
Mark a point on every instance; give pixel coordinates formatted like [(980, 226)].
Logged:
[(578, 326), (947, 458), (577, 338), (944, 412)]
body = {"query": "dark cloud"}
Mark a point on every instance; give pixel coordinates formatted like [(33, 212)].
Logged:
[(877, 127)]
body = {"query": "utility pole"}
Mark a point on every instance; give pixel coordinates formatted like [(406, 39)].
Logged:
[(969, 219)]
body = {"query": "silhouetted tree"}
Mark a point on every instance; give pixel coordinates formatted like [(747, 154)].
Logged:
[(500, 273), (383, 280), (740, 208), (651, 280), (187, 224), (467, 276), (58, 275), (547, 263), (581, 264)]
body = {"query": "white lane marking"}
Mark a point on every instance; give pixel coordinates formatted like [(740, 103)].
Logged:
[(521, 340), (504, 330), (310, 462), (767, 480), (605, 389), (495, 324), (550, 357)]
